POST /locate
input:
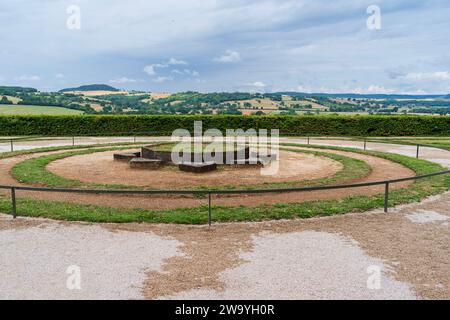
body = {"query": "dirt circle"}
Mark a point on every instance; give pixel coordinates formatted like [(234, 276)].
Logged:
[(100, 168), (382, 169)]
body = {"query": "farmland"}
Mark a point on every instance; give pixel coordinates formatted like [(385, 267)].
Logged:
[(103, 99), (36, 110)]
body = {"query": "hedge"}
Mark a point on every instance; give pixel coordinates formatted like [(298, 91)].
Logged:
[(165, 124)]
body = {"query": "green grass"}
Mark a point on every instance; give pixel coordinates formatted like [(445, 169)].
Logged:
[(17, 109), (33, 171), (90, 213)]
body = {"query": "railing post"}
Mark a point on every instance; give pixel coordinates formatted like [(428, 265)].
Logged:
[(386, 197), (73, 141), (365, 144), (209, 209), (13, 200), (308, 141), (12, 145), (417, 152)]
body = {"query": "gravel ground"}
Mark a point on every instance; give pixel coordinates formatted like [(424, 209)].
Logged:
[(304, 265), (101, 168), (424, 216), (34, 261)]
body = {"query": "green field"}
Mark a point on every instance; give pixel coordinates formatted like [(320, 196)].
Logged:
[(35, 110)]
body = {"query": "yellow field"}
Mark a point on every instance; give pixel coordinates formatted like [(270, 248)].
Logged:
[(13, 99), (160, 95)]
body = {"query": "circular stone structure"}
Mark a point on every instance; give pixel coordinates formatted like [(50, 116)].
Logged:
[(101, 168), (206, 159)]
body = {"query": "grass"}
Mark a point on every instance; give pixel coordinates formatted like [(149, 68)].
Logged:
[(33, 171), (90, 213), (17, 109)]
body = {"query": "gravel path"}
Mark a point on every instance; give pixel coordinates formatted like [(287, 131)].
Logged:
[(290, 266), (35, 261)]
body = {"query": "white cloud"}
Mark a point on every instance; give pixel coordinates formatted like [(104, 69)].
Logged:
[(188, 72), (60, 76), (173, 62), (428, 76), (303, 88), (124, 80), (229, 57), (28, 78), (151, 68), (258, 84), (373, 89), (162, 79)]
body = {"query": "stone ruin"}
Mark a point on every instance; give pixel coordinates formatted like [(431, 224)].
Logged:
[(151, 159)]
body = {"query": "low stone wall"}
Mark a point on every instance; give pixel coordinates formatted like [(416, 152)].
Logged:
[(149, 164), (150, 159), (240, 156), (198, 167), (126, 157)]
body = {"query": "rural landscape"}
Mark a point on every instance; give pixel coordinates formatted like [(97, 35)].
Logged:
[(105, 99), (231, 157)]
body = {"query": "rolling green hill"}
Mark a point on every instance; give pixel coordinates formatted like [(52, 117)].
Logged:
[(91, 87)]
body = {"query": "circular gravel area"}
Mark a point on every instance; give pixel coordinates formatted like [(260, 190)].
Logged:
[(101, 168)]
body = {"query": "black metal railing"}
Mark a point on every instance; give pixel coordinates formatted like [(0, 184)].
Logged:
[(211, 192), (135, 136)]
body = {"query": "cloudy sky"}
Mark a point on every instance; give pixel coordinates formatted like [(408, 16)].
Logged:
[(228, 45)]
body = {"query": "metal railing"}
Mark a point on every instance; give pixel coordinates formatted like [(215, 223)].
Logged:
[(135, 136), (211, 192)]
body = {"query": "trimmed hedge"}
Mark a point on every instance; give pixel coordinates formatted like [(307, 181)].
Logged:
[(165, 124)]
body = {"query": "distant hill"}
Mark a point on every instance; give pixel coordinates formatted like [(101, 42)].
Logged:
[(364, 96), (8, 90), (91, 87)]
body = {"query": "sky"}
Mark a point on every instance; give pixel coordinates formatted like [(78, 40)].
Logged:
[(384, 46)]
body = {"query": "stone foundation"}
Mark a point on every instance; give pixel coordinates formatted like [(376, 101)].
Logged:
[(197, 167), (150, 159), (126, 157), (149, 164)]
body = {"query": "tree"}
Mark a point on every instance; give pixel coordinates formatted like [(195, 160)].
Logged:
[(5, 100)]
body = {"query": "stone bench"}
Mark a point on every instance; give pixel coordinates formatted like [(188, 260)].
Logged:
[(197, 167), (142, 163)]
